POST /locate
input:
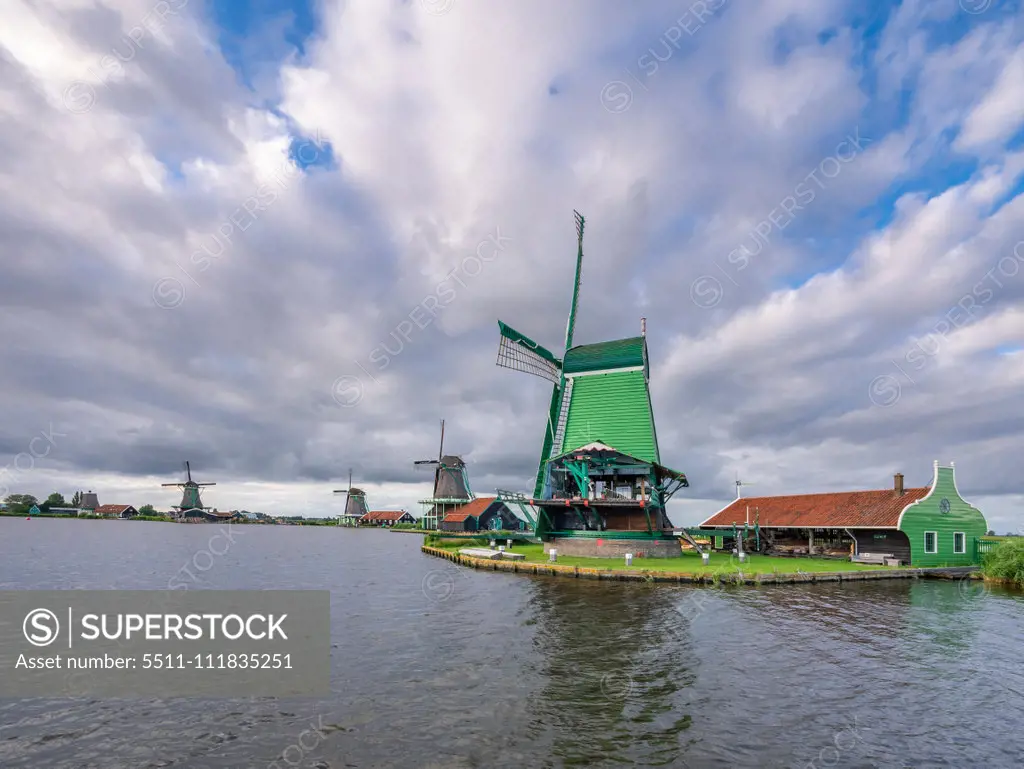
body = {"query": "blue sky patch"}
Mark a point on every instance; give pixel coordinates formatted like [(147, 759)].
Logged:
[(255, 36), (312, 152)]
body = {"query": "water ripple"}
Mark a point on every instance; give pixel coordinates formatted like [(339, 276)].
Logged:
[(500, 670)]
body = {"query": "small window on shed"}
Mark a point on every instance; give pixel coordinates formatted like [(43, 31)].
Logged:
[(931, 542), (959, 542)]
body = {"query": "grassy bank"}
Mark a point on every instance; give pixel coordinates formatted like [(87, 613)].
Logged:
[(1006, 562), (689, 563)]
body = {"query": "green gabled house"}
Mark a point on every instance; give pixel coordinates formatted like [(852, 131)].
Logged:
[(943, 528), (600, 482), (923, 527)]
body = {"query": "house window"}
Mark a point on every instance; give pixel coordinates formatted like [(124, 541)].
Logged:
[(931, 542), (959, 542)]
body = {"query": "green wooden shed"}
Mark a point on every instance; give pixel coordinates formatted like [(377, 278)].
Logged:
[(942, 527)]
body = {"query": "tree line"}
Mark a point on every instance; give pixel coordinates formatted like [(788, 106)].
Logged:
[(21, 504)]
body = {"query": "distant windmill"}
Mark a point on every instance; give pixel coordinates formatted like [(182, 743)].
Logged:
[(355, 502), (190, 492), (451, 484)]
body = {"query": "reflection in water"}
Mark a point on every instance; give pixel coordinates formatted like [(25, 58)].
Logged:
[(438, 666), (616, 660)]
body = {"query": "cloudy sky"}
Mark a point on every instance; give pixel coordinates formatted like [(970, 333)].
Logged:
[(275, 238)]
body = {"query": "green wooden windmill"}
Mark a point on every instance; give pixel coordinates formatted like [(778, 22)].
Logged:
[(190, 493), (600, 448)]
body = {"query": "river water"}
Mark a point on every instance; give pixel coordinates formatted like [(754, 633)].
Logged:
[(438, 666)]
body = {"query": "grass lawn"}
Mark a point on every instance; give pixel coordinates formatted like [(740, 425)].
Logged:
[(689, 563)]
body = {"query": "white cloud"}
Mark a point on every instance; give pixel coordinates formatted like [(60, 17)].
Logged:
[(1000, 113), (444, 131)]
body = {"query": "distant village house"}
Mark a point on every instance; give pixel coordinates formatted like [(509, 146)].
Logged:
[(386, 518), (487, 514), (115, 511)]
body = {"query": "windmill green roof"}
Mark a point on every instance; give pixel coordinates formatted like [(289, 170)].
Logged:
[(614, 409), (619, 353)]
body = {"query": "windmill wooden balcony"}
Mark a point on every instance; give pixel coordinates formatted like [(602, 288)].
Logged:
[(596, 487)]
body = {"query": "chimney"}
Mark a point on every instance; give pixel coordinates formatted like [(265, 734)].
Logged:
[(898, 484), (643, 326)]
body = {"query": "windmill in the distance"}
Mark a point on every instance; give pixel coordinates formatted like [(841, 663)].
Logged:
[(451, 485), (190, 499), (355, 503)]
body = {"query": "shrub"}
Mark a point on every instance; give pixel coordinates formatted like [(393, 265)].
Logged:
[(1006, 561)]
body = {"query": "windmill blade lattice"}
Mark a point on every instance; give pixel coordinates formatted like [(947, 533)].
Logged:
[(520, 353)]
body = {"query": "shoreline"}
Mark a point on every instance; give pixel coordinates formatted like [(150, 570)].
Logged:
[(154, 519), (732, 578)]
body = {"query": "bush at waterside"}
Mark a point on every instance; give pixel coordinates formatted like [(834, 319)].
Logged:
[(1006, 562)]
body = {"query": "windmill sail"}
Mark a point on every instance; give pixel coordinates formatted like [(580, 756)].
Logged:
[(559, 414), (520, 353), (570, 326)]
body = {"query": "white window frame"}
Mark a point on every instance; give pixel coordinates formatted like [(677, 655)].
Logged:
[(963, 550), (935, 540)]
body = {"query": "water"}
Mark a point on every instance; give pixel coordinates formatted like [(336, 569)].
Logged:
[(438, 666)]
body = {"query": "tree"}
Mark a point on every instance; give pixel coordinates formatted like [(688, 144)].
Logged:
[(147, 510), (991, 533), (76, 499), (20, 503), (56, 499)]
